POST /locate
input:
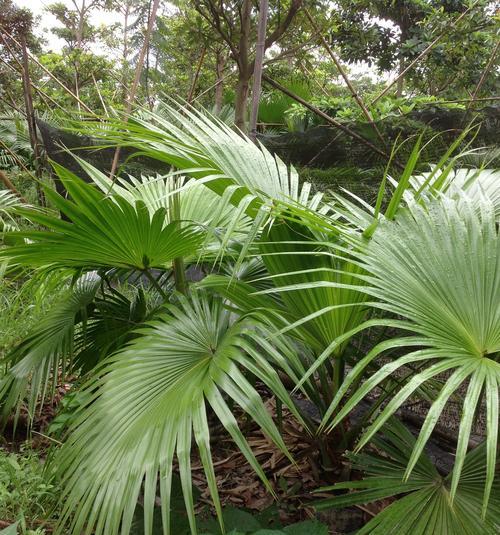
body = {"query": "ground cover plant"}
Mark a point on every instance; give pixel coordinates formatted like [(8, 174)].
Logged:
[(25, 495), (189, 302)]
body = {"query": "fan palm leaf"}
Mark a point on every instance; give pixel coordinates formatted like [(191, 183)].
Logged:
[(8, 204), (35, 363), (197, 204), (205, 148), (15, 136), (437, 266), (293, 255), (426, 506), (473, 184), (101, 232), (146, 401)]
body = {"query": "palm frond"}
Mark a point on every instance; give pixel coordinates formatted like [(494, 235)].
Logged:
[(146, 401), (293, 256), (438, 267), (473, 184), (34, 365), (197, 204), (14, 134), (426, 506), (8, 204), (205, 148), (116, 315), (101, 232)]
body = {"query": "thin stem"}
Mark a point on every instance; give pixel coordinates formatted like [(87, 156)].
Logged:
[(154, 282)]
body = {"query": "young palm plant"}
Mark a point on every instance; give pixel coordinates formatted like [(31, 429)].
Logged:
[(158, 369), (429, 264), (320, 273)]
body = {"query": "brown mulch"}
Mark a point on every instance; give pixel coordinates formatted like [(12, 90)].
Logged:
[(293, 483), (16, 433)]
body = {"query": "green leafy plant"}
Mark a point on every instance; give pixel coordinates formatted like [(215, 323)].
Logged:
[(181, 363), (296, 279), (454, 326), (8, 203), (426, 505), (26, 497), (15, 148)]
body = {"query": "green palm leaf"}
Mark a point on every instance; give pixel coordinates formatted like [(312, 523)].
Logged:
[(438, 267), (101, 232), (8, 204), (113, 319), (426, 506), (474, 184), (293, 256), (146, 401), (35, 363), (197, 203), (205, 148)]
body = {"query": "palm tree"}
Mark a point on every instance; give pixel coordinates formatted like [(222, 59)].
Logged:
[(295, 279)]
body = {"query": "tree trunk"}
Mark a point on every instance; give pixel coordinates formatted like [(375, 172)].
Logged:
[(219, 88), (79, 41), (192, 89), (30, 116), (125, 50), (213, 11), (137, 76), (257, 71), (241, 101), (244, 68), (401, 79)]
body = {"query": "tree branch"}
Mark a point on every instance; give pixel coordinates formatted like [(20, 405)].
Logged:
[(285, 23)]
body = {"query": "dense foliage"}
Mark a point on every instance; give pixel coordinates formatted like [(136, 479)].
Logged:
[(213, 326)]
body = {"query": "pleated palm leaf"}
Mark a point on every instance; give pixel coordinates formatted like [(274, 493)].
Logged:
[(197, 204), (144, 404), (293, 255), (425, 506), (8, 204), (48, 348), (15, 136), (82, 326), (315, 315), (437, 267), (205, 148), (101, 232), (474, 184)]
